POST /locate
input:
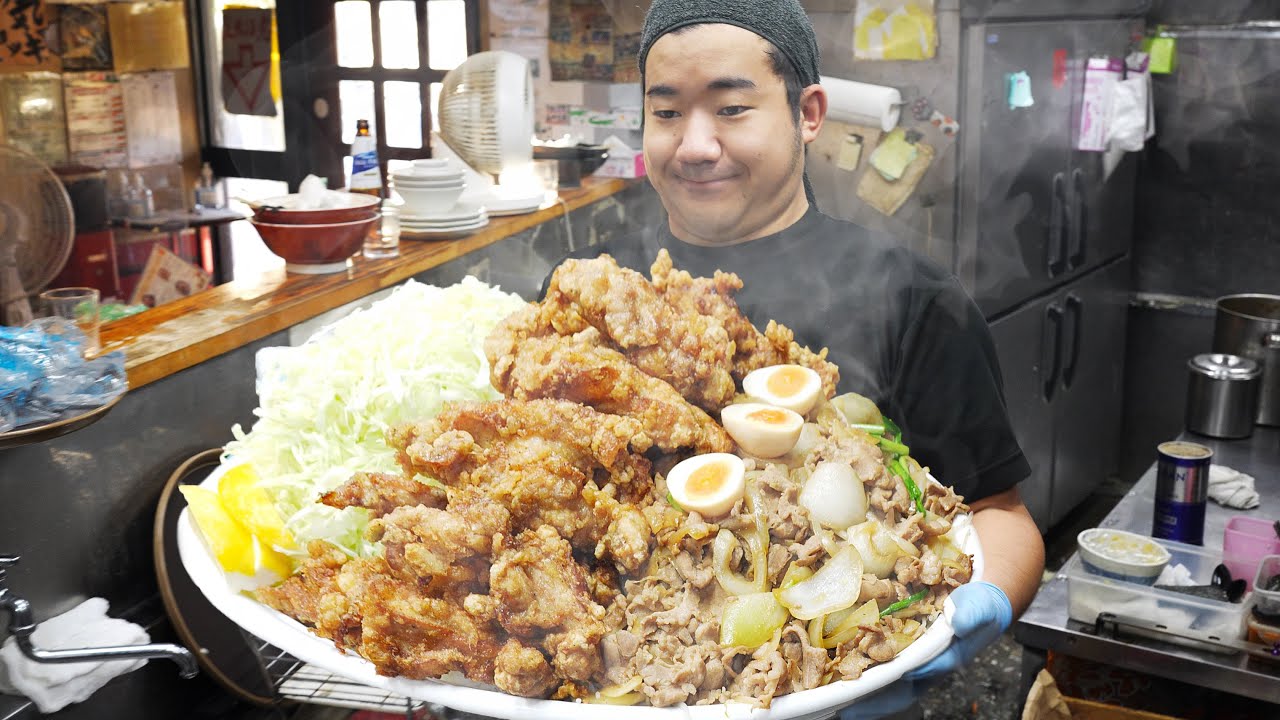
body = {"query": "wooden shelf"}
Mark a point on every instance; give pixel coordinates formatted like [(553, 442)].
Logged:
[(183, 333)]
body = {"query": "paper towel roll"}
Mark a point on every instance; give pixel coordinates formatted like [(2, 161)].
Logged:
[(861, 103)]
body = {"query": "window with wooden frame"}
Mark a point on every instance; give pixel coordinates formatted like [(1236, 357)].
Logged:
[(391, 59)]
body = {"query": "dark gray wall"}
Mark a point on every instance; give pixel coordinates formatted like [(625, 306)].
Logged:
[(1219, 11), (1207, 221), (79, 509)]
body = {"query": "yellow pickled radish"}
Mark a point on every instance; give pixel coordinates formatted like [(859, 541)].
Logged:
[(231, 543), (250, 505)]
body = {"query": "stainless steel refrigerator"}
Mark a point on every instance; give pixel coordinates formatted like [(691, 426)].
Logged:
[(1043, 239)]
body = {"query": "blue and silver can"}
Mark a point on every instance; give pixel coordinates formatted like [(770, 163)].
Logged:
[(1182, 488)]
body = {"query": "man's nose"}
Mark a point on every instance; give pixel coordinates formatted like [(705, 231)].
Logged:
[(700, 142)]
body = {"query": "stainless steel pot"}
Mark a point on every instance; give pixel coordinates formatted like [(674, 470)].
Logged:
[(1249, 326)]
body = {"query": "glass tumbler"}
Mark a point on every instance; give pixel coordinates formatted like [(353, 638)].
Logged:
[(384, 241), (80, 305)]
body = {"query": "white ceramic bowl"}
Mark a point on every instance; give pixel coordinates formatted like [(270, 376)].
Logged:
[(426, 175), (427, 200), (1122, 555), (456, 182)]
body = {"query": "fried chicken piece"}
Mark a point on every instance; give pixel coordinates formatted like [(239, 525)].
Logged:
[(583, 369), (542, 594), (446, 551), (781, 337), (382, 492), (300, 595), (545, 461), (752, 348), (406, 633), (692, 352), (522, 670)]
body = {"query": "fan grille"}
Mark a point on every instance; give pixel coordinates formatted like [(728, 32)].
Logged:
[(36, 220), (486, 111)]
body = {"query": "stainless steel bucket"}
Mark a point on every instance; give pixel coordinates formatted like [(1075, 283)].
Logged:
[(1249, 326), (1222, 395)]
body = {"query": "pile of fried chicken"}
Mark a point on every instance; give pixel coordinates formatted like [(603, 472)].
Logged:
[(540, 555)]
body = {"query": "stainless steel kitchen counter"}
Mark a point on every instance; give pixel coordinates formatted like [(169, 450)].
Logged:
[(1045, 625)]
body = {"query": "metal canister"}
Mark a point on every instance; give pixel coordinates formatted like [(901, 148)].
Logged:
[(1182, 488), (1222, 395)]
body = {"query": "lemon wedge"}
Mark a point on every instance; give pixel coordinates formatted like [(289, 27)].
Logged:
[(250, 505), (235, 548), (231, 543)]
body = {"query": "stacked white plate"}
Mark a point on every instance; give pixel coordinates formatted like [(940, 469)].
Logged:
[(459, 220), (501, 201)]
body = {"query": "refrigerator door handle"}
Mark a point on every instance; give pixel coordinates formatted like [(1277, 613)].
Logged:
[(1050, 350), (1078, 221), (1073, 317), (1055, 261)]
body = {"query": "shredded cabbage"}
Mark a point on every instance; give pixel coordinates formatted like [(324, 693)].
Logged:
[(325, 406)]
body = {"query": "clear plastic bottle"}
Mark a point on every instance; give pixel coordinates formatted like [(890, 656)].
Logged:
[(148, 198), (139, 200), (207, 190)]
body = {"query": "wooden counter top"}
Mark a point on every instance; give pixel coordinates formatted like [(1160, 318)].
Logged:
[(179, 334)]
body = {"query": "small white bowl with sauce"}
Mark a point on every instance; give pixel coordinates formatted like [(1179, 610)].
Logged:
[(1122, 555)]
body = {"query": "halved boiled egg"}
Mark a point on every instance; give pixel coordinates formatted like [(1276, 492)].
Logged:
[(793, 387), (708, 484), (762, 430)]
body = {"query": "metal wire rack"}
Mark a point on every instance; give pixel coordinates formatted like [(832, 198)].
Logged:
[(297, 681)]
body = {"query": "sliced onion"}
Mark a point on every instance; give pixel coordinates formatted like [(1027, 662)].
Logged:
[(721, 554), (880, 547), (835, 586), (866, 615), (631, 698), (622, 688), (834, 496)]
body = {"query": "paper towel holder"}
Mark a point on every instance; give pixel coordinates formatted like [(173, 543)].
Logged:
[(22, 625)]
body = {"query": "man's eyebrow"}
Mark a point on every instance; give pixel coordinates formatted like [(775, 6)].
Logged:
[(722, 83), (732, 83)]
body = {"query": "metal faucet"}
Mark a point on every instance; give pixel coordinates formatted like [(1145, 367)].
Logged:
[(21, 625)]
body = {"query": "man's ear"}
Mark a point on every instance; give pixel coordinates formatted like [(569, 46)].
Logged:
[(813, 111)]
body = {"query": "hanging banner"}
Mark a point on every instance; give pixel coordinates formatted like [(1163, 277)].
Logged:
[(246, 62), (24, 36)]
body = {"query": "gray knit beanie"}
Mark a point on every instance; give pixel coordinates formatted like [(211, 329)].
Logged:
[(781, 22)]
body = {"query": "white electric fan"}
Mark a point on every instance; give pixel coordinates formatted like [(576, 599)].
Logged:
[(37, 229), (486, 121)]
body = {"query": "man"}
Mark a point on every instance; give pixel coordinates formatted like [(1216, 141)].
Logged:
[(731, 98)]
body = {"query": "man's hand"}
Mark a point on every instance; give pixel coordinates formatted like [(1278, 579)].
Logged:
[(982, 613)]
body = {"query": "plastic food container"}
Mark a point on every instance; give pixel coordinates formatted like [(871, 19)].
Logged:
[(1245, 542), (1122, 555), (1267, 602), (1089, 594)]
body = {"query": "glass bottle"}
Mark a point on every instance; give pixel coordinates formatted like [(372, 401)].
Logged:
[(366, 177)]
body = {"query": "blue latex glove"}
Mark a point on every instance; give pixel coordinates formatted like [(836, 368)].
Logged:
[(893, 699), (982, 613)]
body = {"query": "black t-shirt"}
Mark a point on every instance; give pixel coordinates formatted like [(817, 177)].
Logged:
[(902, 331)]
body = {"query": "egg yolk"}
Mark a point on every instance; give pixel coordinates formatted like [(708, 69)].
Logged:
[(768, 416), (706, 480), (786, 381)]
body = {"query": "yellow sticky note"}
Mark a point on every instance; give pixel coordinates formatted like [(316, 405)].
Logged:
[(893, 155)]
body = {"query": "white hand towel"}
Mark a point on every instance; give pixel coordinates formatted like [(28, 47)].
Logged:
[(53, 686), (1232, 488)]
